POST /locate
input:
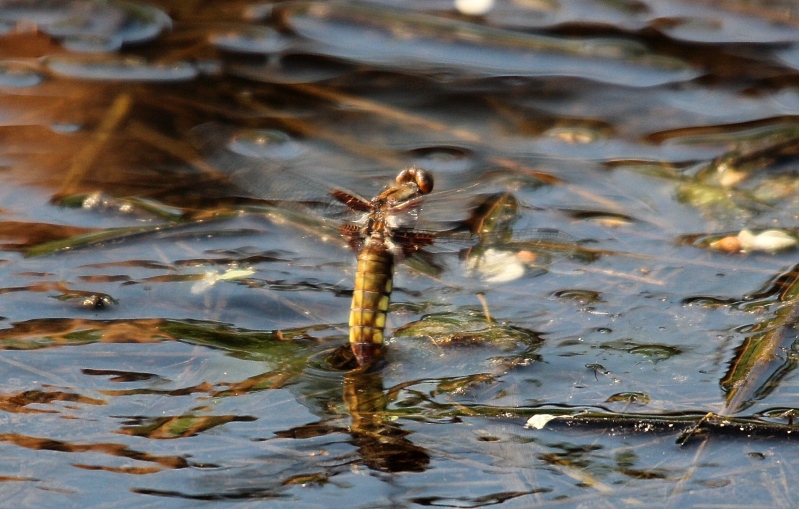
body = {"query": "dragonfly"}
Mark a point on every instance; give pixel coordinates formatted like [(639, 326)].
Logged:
[(381, 230), (379, 241)]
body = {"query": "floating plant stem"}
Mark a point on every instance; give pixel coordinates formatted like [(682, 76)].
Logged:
[(759, 365), (88, 155), (102, 236)]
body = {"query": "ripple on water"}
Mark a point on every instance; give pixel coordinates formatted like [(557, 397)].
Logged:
[(265, 144), (443, 159), (91, 43), (324, 364), (701, 23), (91, 26), (416, 43), (125, 69), (16, 74), (251, 39), (790, 56), (291, 69)]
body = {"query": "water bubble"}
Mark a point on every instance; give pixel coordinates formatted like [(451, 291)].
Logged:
[(265, 144)]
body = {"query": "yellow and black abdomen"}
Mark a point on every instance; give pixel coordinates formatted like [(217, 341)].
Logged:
[(373, 281)]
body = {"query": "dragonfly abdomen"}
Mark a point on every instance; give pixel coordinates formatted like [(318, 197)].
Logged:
[(370, 299)]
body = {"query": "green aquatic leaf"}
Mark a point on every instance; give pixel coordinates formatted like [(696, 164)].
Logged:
[(653, 351), (93, 238), (110, 235), (50, 332), (719, 201), (136, 206), (637, 398), (765, 356), (469, 328), (179, 426)]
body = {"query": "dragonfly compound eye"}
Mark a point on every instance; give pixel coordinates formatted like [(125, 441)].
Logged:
[(421, 177)]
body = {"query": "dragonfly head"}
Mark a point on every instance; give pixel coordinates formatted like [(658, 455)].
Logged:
[(419, 176)]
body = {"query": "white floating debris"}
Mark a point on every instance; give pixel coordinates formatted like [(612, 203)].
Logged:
[(474, 7), (539, 421), (236, 274), (208, 280), (496, 266), (211, 278), (729, 176), (769, 241)]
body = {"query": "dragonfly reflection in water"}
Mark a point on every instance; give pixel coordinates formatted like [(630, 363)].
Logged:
[(380, 230)]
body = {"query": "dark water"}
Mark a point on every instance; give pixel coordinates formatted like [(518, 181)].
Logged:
[(171, 334)]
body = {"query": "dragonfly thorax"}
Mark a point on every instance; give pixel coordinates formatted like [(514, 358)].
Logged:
[(377, 226)]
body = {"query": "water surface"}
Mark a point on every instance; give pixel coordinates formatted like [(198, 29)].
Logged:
[(173, 311)]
